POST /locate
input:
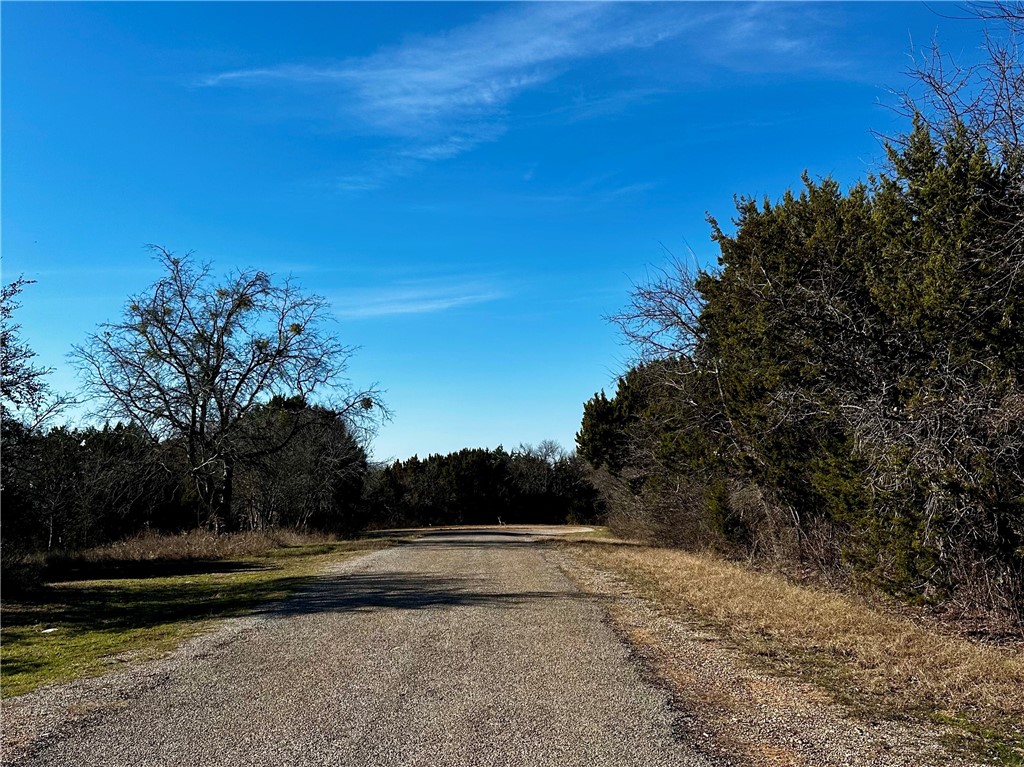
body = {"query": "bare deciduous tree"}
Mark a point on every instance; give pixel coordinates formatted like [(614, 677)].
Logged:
[(24, 392), (663, 318), (21, 382), (190, 358), (987, 96)]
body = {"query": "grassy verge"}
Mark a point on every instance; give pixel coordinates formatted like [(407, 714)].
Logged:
[(138, 599), (875, 661)]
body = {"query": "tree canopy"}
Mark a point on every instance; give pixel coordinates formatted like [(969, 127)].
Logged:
[(192, 358)]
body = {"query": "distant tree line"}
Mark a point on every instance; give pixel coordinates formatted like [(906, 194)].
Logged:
[(844, 390), (221, 405), (68, 488), (540, 485)]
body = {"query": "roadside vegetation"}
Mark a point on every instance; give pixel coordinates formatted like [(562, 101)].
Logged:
[(818, 452), (217, 405), (142, 597), (221, 406), (874, 656), (842, 393)]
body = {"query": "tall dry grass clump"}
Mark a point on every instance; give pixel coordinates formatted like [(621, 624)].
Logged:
[(194, 545)]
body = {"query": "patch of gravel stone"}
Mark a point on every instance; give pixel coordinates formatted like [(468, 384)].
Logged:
[(742, 714)]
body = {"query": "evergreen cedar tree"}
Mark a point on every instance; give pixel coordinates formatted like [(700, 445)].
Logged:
[(849, 391)]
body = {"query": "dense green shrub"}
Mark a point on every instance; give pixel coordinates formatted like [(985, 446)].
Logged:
[(476, 486), (844, 388)]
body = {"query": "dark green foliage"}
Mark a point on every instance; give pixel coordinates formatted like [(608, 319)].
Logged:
[(601, 440), (300, 467), (844, 389), (659, 450), (66, 489), (476, 486)]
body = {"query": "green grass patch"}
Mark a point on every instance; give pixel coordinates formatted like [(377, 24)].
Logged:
[(105, 613), (996, 745)]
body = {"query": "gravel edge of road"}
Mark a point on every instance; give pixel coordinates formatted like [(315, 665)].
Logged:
[(743, 715)]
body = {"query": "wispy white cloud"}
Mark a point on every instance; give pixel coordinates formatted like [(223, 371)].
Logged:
[(608, 104), (407, 157), (416, 297), (472, 72), (362, 182), (763, 37), (435, 98), (597, 191), (442, 96)]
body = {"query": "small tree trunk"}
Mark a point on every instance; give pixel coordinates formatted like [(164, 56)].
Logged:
[(223, 512)]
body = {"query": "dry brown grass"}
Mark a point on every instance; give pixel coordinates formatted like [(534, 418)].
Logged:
[(872, 657), (197, 545)]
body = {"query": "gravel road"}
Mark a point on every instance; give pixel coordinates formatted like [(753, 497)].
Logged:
[(460, 648)]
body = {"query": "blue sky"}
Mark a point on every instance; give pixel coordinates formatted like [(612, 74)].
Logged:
[(473, 186)]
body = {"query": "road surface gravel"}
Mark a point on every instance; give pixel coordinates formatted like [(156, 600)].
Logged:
[(459, 648)]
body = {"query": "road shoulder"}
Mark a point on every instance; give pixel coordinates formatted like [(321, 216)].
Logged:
[(741, 712)]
